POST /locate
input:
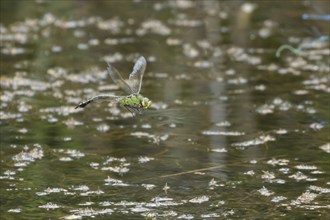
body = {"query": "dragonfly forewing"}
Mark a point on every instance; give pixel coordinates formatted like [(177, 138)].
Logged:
[(118, 79), (135, 78)]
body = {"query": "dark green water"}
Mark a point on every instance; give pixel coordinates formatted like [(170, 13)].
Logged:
[(234, 132)]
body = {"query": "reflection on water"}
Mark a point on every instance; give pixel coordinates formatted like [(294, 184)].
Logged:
[(234, 131)]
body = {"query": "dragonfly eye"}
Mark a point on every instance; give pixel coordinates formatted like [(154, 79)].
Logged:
[(146, 103)]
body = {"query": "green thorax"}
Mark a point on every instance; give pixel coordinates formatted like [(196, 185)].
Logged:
[(136, 101)]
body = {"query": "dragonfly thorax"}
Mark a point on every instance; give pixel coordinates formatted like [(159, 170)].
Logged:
[(136, 101)]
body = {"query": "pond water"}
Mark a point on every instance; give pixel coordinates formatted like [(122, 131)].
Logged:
[(234, 130)]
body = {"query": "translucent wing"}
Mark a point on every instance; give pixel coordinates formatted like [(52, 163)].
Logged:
[(135, 78), (117, 79)]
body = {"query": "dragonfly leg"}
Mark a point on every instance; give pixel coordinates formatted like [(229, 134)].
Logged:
[(129, 109), (138, 109)]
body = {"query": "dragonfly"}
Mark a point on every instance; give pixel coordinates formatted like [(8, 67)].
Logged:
[(134, 102)]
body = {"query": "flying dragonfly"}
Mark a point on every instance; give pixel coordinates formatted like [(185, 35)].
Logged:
[(134, 102)]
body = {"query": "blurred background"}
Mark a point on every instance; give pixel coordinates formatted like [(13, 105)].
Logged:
[(239, 126)]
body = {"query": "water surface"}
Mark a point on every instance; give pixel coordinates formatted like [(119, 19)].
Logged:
[(234, 131)]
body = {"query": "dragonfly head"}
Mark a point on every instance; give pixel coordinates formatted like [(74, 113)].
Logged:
[(146, 103)]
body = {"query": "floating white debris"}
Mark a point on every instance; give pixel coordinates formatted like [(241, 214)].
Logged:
[(166, 188), (81, 188), (257, 141), (317, 172), (113, 57), (279, 181), (265, 109), (117, 169), (248, 7), (21, 164), (82, 46), (106, 203), (18, 210), (65, 159), (306, 197), (260, 87), (213, 183), (316, 126), (319, 189), (71, 123), (94, 165), (23, 107), (161, 199), (265, 192), (298, 176), (284, 170), (86, 204), (280, 162), (155, 138), (113, 25), (153, 26), (148, 186), (74, 153), (139, 209), (219, 150), (237, 81), (250, 173), (223, 133), (223, 124), (281, 131), (145, 159), (187, 22), (173, 41), (172, 125), (190, 51), (112, 180), (146, 126), (94, 42), (72, 217), (67, 139), (326, 148), (300, 92), (56, 49), (199, 199), (55, 190), (278, 199), (49, 205), (62, 111), (96, 192), (306, 167), (211, 215), (268, 175), (186, 216), (32, 155), (202, 64), (103, 128), (112, 159), (9, 173)]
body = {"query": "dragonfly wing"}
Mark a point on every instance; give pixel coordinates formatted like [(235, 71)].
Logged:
[(99, 98), (117, 79), (135, 78)]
